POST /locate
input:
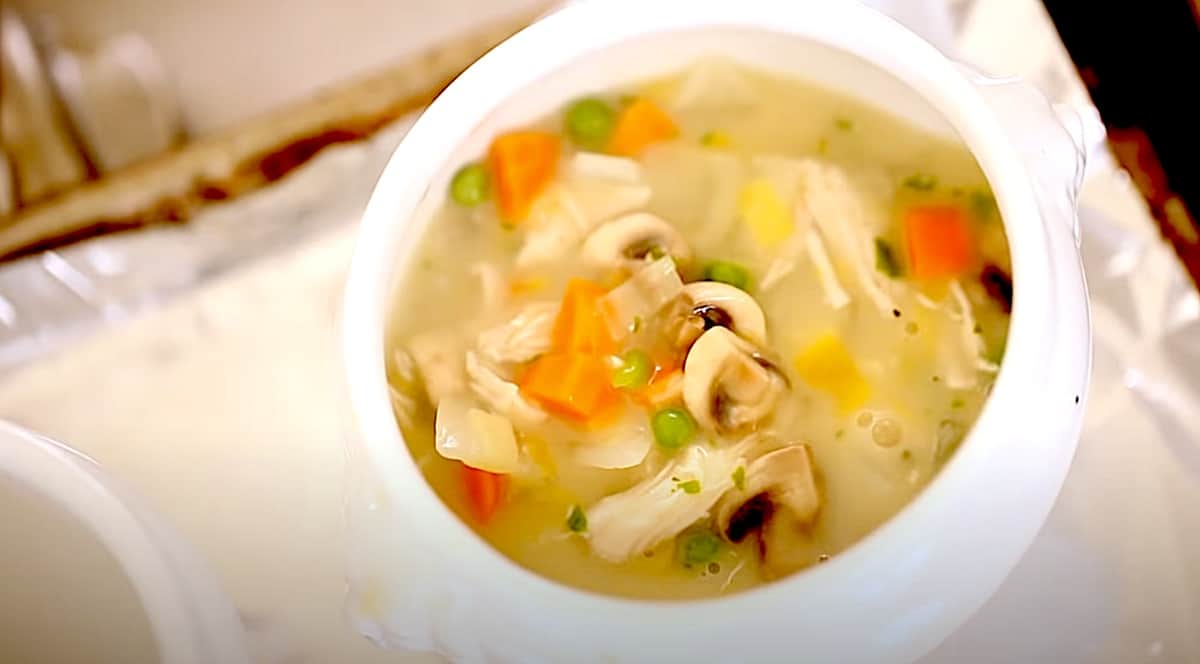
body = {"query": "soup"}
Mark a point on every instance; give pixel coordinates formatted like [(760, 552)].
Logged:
[(681, 339)]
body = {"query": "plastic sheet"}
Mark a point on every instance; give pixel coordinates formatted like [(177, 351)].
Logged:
[(50, 299)]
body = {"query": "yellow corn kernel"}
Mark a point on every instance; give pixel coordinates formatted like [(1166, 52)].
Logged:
[(765, 212), (539, 453), (827, 365)]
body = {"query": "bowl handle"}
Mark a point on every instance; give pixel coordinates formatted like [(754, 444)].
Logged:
[(1056, 141)]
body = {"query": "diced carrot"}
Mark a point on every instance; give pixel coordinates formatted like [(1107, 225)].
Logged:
[(580, 326), (665, 387), (939, 242), (485, 491), (640, 124), (522, 164), (577, 386)]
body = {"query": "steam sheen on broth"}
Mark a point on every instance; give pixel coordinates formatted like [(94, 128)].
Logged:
[(681, 339)]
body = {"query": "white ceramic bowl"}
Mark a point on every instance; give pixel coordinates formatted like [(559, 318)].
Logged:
[(192, 620), (901, 590)]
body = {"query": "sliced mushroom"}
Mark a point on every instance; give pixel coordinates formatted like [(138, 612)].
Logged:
[(716, 304), (779, 480), (727, 383), (628, 241)]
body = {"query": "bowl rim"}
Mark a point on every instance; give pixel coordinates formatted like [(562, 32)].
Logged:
[(572, 31)]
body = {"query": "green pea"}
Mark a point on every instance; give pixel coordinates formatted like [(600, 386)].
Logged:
[(634, 371), (699, 548), (673, 427), (469, 186), (727, 272), (590, 122)]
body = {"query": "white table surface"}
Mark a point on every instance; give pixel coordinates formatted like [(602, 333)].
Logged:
[(225, 410)]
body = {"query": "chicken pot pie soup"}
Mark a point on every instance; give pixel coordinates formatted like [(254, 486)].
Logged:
[(680, 339)]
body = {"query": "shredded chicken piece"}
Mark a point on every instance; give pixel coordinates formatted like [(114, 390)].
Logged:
[(715, 84), (838, 212), (501, 396), (491, 284), (971, 339), (437, 355), (405, 406), (404, 380), (521, 339), (629, 523), (790, 253), (835, 295), (640, 296), (565, 213), (608, 167), (555, 227)]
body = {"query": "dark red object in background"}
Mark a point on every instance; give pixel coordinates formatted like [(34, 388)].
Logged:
[(1141, 64)]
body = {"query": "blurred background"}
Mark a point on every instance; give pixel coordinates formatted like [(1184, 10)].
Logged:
[(179, 182)]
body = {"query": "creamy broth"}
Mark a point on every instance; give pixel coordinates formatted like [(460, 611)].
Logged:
[(878, 362)]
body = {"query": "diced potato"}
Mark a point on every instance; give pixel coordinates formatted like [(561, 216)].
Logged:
[(827, 365), (476, 437)]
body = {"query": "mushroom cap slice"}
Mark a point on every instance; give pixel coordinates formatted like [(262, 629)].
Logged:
[(719, 304), (781, 479), (627, 241), (727, 384)]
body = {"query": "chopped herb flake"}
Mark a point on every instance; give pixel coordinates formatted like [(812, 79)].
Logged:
[(845, 124), (995, 354), (715, 139), (699, 548), (957, 403), (690, 487), (577, 520), (983, 205), (739, 478), (886, 261), (920, 182)]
